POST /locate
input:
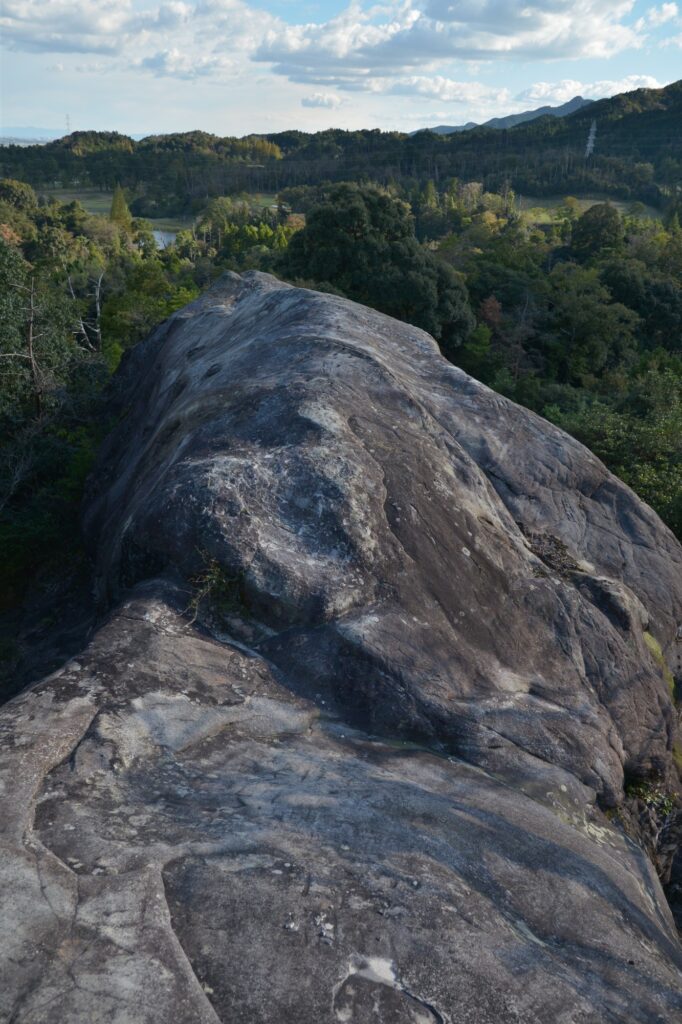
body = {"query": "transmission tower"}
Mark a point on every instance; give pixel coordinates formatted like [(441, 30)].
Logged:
[(589, 149)]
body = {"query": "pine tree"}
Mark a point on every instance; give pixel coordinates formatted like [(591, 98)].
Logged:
[(120, 214)]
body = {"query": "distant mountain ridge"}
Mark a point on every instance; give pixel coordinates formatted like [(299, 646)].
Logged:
[(448, 129), (511, 120)]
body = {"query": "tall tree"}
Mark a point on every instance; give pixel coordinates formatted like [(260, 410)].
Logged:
[(599, 229), (120, 214), (585, 333), (35, 347)]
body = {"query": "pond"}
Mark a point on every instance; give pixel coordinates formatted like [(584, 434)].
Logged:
[(164, 238)]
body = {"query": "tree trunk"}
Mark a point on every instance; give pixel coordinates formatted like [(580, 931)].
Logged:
[(30, 338)]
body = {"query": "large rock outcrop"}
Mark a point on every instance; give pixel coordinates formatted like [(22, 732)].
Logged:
[(382, 655)]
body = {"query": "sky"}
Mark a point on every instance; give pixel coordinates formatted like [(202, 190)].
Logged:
[(234, 67)]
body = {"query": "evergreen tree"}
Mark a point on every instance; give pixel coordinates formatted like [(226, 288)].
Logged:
[(120, 214), (599, 229), (362, 241)]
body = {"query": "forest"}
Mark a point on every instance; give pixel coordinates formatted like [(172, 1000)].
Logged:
[(637, 156)]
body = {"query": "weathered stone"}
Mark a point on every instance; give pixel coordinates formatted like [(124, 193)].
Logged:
[(368, 783)]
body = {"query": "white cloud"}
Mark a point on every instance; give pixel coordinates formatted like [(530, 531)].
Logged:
[(551, 92), (177, 64), (660, 15), (560, 92), (397, 47), (337, 49), (449, 91), (490, 99), (85, 26), (119, 27), (322, 99), (360, 44), (63, 26), (95, 67)]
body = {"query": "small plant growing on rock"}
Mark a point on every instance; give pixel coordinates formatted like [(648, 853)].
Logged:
[(216, 591), (657, 654), (654, 795)]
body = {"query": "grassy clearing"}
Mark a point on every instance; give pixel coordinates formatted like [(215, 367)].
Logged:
[(99, 203), (91, 199), (539, 209), (171, 223), (262, 199)]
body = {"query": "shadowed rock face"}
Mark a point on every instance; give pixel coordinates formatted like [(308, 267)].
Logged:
[(370, 787)]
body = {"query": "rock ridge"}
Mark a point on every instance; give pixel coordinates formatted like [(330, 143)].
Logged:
[(381, 657)]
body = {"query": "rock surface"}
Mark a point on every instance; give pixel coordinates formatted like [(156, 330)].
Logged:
[(383, 653)]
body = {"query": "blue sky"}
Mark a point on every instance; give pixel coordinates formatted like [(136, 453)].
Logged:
[(233, 67)]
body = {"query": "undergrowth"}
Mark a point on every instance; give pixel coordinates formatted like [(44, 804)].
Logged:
[(215, 591)]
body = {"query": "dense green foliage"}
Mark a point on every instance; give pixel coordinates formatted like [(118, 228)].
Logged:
[(63, 279), (48, 389), (638, 155), (362, 241)]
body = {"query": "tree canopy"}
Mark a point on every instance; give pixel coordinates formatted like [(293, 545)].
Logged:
[(361, 240), (120, 213), (600, 229)]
